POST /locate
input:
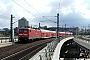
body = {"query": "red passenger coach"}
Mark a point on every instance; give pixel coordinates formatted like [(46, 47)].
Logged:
[(46, 33), (53, 33)]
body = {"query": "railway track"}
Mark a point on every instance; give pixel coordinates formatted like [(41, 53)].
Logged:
[(87, 39), (27, 51)]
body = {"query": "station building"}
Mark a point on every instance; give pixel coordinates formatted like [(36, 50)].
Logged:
[(23, 23), (2, 32)]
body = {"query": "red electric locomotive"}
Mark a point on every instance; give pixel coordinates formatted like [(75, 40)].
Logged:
[(28, 34)]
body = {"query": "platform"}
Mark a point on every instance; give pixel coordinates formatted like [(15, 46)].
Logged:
[(6, 42)]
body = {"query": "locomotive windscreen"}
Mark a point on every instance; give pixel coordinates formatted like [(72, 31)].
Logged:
[(23, 30)]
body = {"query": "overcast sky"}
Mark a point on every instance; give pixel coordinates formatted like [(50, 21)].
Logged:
[(72, 12)]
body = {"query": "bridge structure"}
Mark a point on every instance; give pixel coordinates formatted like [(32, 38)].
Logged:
[(69, 47), (57, 53)]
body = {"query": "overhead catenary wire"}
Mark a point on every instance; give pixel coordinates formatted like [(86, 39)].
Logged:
[(5, 16), (59, 5), (64, 22), (59, 13), (30, 12), (38, 12), (15, 21), (49, 19), (24, 9), (31, 6)]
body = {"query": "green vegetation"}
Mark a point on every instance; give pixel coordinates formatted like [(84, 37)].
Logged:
[(85, 33), (1, 35), (7, 34), (45, 27)]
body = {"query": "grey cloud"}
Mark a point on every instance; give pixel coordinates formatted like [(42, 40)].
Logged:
[(4, 23), (63, 3), (73, 19), (4, 17)]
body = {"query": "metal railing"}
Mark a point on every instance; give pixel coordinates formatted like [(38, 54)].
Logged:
[(48, 52)]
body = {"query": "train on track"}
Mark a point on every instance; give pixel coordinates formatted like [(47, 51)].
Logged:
[(28, 34)]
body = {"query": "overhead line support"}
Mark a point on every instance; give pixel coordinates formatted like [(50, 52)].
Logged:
[(11, 36), (57, 36)]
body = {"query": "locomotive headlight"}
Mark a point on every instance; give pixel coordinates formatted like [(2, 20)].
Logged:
[(20, 34), (25, 34)]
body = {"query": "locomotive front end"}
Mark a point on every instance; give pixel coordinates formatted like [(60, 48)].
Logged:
[(23, 34)]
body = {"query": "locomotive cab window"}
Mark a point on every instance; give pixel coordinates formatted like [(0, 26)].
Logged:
[(20, 30), (23, 30)]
